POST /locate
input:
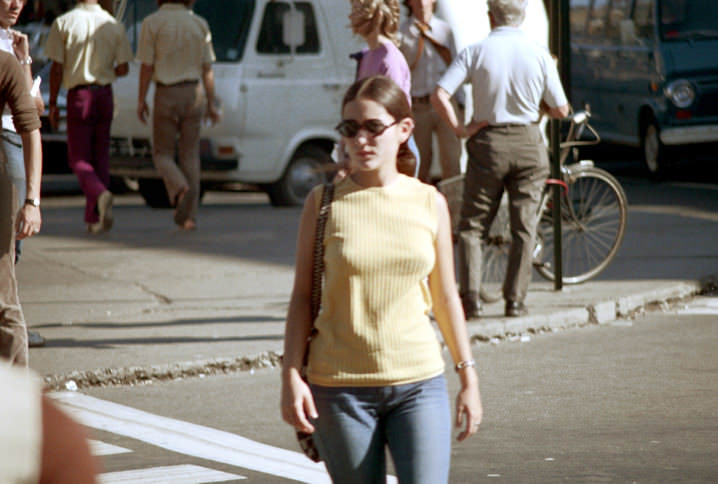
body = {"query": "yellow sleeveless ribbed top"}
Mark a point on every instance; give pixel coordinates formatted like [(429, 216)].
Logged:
[(374, 327)]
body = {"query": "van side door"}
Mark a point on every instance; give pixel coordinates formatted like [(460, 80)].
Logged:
[(287, 90)]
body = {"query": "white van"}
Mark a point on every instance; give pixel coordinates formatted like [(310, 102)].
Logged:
[(282, 69)]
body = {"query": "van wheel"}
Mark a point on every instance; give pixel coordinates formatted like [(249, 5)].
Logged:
[(307, 169), (655, 153), (154, 193)]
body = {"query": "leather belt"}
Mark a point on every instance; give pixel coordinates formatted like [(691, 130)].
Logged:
[(421, 99)]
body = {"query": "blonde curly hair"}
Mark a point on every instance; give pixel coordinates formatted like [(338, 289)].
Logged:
[(367, 15)]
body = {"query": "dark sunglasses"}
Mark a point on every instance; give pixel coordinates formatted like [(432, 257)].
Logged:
[(350, 128)]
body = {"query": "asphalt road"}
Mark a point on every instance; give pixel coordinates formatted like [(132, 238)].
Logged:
[(631, 401)]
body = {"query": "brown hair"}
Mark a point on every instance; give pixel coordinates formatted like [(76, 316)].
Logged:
[(384, 91)]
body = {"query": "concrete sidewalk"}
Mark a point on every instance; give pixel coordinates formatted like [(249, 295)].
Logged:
[(147, 302)]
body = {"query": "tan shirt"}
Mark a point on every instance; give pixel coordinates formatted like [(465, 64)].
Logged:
[(88, 42), (177, 43), (14, 93)]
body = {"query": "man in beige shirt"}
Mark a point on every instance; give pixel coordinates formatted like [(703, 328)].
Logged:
[(89, 50), (176, 53)]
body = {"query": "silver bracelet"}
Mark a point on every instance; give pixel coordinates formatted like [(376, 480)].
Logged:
[(26, 61), (465, 364)]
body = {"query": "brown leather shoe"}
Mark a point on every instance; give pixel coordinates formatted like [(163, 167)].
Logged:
[(515, 309)]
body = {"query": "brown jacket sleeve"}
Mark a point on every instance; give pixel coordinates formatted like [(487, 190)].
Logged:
[(14, 93)]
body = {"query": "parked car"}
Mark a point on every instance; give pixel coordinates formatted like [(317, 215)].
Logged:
[(649, 70)]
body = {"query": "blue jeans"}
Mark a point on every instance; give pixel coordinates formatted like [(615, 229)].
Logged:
[(356, 423), (12, 144)]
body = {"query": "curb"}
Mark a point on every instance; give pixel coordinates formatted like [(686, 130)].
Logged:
[(136, 375), (488, 329), (598, 313)]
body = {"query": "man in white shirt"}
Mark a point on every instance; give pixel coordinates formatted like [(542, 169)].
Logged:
[(428, 45), (512, 81)]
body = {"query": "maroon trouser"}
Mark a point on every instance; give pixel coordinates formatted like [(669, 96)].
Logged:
[(89, 116)]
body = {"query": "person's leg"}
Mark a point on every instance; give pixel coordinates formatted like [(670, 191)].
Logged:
[(423, 137), (80, 129), (483, 187), (165, 128), (12, 144), (102, 119), (418, 431), (449, 145), (190, 124), (524, 185), (13, 333), (348, 435)]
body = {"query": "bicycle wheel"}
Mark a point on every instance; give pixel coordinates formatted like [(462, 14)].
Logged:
[(495, 255), (593, 221)]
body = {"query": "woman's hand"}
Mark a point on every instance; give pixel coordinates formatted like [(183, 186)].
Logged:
[(469, 411), (297, 402)]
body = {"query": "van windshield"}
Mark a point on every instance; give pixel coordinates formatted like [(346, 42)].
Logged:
[(688, 19), (229, 21)]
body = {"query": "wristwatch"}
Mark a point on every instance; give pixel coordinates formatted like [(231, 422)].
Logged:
[(35, 202)]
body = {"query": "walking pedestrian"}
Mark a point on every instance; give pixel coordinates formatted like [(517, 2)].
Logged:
[(427, 43), (89, 50), (25, 221), (176, 53), (16, 43), (511, 79), (377, 22), (375, 366)]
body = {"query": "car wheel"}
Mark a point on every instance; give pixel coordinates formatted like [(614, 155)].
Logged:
[(307, 169), (655, 153)]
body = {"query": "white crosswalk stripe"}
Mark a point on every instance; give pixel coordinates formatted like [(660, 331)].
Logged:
[(181, 474), (190, 439), (103, 448)]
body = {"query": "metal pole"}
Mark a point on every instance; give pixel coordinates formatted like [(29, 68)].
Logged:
[(555, 44)]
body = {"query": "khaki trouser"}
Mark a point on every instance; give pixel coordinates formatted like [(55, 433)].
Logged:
[(176, 124), (427, 122), (13, 333), (511, 158)]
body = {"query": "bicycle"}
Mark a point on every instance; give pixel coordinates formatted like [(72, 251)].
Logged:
[(594, 213)]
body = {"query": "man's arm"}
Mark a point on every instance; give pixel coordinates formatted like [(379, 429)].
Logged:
[(55, 81), (559, 112), (146, 73), (29, 220), (208, 82), (441, 100), (21, 47), (122, 69)]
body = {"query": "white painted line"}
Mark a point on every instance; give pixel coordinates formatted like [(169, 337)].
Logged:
[(190, 439), (103, 448), (182, 474)]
